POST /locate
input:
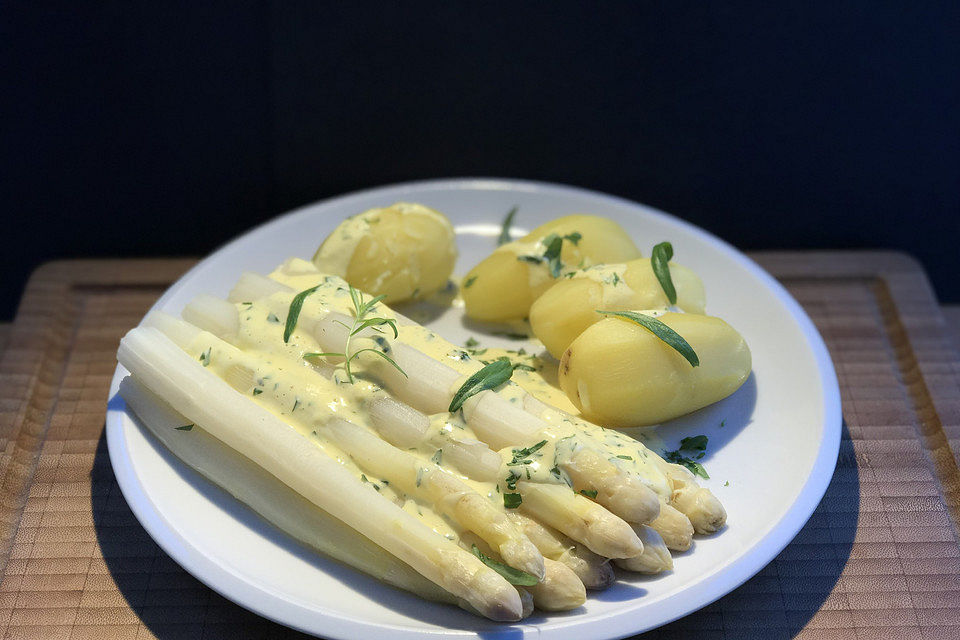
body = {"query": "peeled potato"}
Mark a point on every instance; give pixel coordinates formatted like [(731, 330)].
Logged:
[(504, 285), (567, 308), (402, 251), (621, 375)]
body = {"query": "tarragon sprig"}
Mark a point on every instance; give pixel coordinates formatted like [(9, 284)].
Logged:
[(361, 308)]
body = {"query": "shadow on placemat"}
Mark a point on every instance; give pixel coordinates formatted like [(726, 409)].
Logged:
[(776, 603)]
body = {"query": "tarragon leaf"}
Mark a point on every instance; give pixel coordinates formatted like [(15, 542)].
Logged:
[(658, 260), (511, 575), (490, 376), (661, 330)]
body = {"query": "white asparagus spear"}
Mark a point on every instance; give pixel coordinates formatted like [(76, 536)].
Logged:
[(258, 434), (446, 493), (253, 286), (274, 501), (622, 493), (593, 570), (705, 512), (581, 519), (559, 590), (674, 527), (403, 426), (655, 558), (615, 475)]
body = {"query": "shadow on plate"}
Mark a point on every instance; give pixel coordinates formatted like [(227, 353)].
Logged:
[(784, 596)]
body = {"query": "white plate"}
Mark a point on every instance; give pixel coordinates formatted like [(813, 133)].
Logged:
[(775, 441)]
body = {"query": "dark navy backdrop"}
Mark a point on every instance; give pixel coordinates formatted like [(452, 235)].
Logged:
[(131, 128)]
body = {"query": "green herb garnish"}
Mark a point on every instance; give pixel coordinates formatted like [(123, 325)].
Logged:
[(521, 456), (360, 322), (505, 228), (205, 357), (658, 260), (272, 317), (294, 313), (695, 446), (553, 244), (661, 330), (437, 457), (511, 481), (490, 376), (625, 457), (257, 392), (590, 493), (512, 500), (471, 342), (186, 427), (469, 281), (511, 575)]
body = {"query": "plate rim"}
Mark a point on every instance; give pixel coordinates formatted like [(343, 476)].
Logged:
[(274, 607)]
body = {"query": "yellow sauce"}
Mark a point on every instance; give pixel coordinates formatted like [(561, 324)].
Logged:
[(277, 376)]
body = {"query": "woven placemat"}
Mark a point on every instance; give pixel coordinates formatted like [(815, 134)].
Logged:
[(879, 558)]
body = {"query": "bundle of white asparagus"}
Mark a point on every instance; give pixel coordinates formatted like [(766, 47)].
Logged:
[(328, 413)]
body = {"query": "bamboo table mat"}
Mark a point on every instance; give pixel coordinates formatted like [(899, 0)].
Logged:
[(878, 559)]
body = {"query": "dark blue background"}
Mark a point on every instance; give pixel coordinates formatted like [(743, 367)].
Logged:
[(133, 129)]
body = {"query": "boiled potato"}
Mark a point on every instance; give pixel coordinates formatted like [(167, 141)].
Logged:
[(568, 307), (504, 285), (402, 251), (621, 375)]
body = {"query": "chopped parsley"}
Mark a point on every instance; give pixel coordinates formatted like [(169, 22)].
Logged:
[(186, 427), (691, 450), (512, 500), (521, 456), (553, 244), (590, 493)]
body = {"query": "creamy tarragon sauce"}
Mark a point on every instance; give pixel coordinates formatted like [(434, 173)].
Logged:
[(279, 379)]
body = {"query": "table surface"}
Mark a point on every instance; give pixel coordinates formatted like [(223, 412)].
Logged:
[(879, 558)]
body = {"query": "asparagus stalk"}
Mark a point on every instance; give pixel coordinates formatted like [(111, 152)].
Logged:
[(674, 527), (403, 426), (655, 558), (271, 499), (559, 590), (705, 512), (622, 493), (593, 570), (581, 519), (269, 442)]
